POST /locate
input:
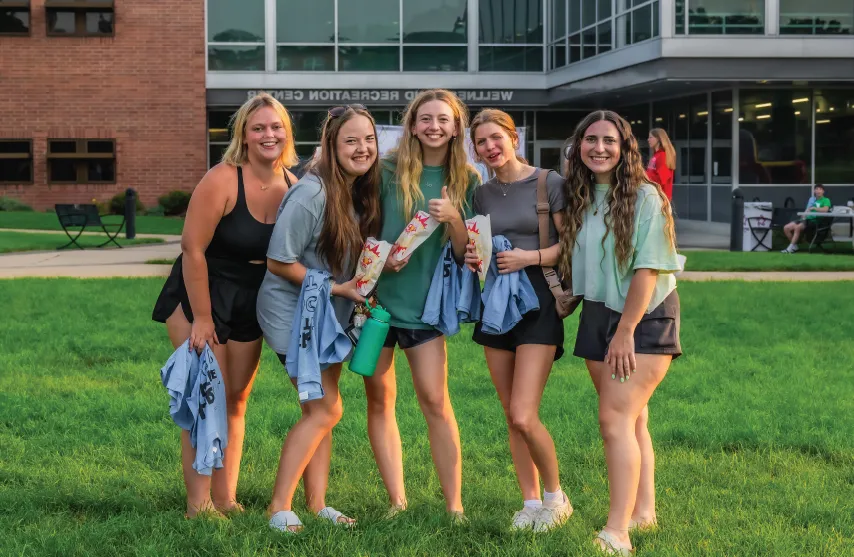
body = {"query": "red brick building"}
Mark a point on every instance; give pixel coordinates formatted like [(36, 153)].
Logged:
[(101, 95)]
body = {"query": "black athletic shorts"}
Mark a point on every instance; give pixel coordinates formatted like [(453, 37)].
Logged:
[(409, 338)]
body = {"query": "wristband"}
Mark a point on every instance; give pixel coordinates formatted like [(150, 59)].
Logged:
[(540, 258)]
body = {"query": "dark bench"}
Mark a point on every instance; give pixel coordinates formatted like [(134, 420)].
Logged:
[(85, 215)]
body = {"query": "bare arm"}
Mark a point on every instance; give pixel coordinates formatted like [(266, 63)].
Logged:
[(516, 259), (621, 351), (295, 273)]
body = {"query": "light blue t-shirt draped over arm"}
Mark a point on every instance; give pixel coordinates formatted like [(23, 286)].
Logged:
[(294, 240), (453, 297), (506, 297), (597, 276)]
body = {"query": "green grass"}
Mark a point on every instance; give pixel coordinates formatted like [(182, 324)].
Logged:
[(160, 262), (48, 221), (752, 428), (767, 261), (24, 241)]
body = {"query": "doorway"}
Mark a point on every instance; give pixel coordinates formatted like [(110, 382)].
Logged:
[(549, 155)]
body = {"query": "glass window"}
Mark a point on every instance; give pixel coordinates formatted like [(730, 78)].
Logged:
[(722, 112), (638, 118), (575, 48), (557, 124), (726, 17), (604, 10), (588, 43), (369, 21), (236, 22), (369, 59), (511, 22), (821, 17), (215, 153), (642, 24), (219, 125), (16, 161), (435, 58), (13, 22), (307, 124), (99, 23), (834, 137), (305, 58), (588, 12), (305, 22), (236, 58), (775, 137), (574, 16), (60, 22), (656, 19), (434, 21), (62, 170), (558, 18), (604, 31), (698, 125), (511, 58), (679, 13), (557, 55), (624, 30)]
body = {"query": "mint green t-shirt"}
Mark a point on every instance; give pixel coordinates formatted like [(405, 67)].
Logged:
[(595, 272), (818, 203), (404, 293)]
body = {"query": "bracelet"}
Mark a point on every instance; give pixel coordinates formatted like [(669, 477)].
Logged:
[(540, 256)]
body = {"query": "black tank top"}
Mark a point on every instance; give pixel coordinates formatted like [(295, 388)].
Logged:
[(238, 236)]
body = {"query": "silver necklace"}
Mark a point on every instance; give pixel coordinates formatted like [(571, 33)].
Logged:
[(502, 185), (597, 207)]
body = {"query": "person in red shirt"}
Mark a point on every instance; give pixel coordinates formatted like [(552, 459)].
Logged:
[(663, 161)]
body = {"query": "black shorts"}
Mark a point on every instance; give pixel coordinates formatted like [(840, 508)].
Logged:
[(233, 290), (409, 338), (657, 332), (541, 326)]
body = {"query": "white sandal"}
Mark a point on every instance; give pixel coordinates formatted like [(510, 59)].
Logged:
[(334, 516), (612, 546), (283, 521)]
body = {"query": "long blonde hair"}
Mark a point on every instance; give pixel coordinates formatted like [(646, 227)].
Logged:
[(503, 121), (408, 157), (665, 145), (237, 154), (628, 178)]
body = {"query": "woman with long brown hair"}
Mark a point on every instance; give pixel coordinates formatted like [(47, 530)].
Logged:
[(662, 163), (618, 245), (322, 224), (429, 171), (210, 295)]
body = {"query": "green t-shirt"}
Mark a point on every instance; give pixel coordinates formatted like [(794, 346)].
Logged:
[(595, 272), (404, 293), (823, 202)]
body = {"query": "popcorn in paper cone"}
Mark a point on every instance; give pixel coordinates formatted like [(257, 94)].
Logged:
[(480, 236), (414, 234), (371, 263)]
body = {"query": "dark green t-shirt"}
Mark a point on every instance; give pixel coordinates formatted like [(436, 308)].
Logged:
[(823, 202), (404, 293)]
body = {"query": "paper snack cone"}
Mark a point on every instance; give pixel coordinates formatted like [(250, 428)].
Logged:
[(480, 235), (371, 263), (414, 234)]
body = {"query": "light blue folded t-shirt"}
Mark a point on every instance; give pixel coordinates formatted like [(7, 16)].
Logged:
[(506, 297)]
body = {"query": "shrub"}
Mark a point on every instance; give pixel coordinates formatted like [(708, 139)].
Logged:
[(156, 211), (174, 203), (117, 205), (12, 204)]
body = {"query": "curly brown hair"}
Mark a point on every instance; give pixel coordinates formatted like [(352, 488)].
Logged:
[(627, 178)]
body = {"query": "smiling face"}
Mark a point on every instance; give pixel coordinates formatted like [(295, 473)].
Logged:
[(494, 145), (265, 134), (434, 124), (600, 150), (356, 146)]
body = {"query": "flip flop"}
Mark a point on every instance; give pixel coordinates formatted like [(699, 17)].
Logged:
[(612, 546), (283, 521), (335, 517)]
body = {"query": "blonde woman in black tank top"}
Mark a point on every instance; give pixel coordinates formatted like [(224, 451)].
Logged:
[(210, 295)]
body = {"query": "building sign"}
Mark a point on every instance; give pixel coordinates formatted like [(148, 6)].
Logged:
[(382, 97)]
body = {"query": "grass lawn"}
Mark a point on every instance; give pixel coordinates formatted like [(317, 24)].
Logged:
[(752, 427), (699, 260), (48, 221), (23, 241)]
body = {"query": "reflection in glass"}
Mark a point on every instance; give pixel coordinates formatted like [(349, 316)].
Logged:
[(369, 21), (588, 12), (305, 58), (726, 17), (679, 9), (604, 10), (305, 22), (236, 58), (218, 125), (434, 21), (435, 58), (558, 19), (60, 22), (834, 129), (368, 59), (511, 59), (13, 22), (511, 22), (820, 17), (99, 23), (642, 24), (236, 22)]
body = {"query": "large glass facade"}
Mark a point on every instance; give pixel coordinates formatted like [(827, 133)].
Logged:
[(720, 17), (834, 136), (820, 17), (236, 35), (510, 35)]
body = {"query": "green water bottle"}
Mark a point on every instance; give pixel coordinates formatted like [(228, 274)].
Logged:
[(371, 340)]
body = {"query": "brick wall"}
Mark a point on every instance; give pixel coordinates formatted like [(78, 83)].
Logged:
[(145, 87)]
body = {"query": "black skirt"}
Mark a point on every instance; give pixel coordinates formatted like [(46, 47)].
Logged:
[(234, 291), (541, 326), (657, 332)]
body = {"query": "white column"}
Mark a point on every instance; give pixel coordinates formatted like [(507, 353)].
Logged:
[(620, 26), (772, 17), (270, 34), (472, 30), (666, 11)]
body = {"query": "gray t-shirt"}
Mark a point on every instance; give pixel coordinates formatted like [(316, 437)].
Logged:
[(514, 215), (295, 236)]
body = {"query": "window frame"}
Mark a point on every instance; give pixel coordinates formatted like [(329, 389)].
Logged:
[(79, 8), (81, 158), (28, 156), (18, 6)]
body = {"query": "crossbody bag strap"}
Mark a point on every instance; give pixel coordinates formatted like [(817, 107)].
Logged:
[(543, 214)]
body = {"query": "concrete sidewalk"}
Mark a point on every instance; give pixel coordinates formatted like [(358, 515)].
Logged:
[(165, 237), (115, 262)]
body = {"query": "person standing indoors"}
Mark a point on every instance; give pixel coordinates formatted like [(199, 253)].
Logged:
[(322, 225), (520, 360), (211, 292), (428, 171), (618, 245), (662, 164)]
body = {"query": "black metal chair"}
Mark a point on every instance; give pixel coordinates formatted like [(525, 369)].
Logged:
[(822, 234), (83, 215)]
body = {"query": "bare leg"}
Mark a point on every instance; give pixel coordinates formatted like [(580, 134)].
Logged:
[(501, 365), (796, 233), (644, 511), (381, 392), (430, 378), (788, 230), (315, 479)]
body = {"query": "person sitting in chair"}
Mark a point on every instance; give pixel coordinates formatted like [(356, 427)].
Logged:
[(818, 204)]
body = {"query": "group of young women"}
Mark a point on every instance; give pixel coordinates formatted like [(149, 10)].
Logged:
[(252, 232)]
